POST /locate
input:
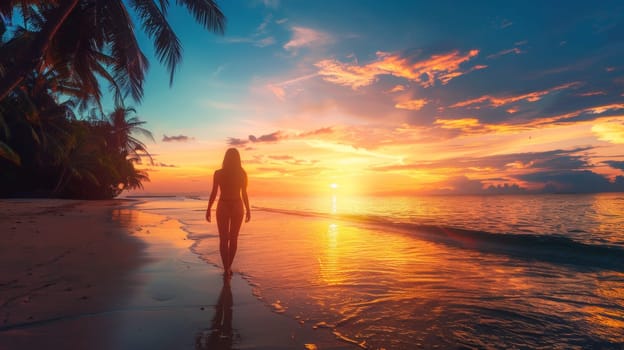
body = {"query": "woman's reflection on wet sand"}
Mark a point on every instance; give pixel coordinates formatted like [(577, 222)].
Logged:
[(220, 335)]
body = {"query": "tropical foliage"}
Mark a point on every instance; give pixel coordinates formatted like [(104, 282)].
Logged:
[(55, 138)]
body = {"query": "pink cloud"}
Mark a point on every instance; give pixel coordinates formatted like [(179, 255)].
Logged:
[(277, 91), (306, 37)]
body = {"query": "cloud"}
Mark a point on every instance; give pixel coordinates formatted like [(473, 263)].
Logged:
[(279, 89), (591, 93), (573, 181), (255, 41), (179, 138), (615, 164), (398, 88), (321, 131), (160, 164), (440, 68), (345, 74), (412, 105), (285, 157), (494, 101), (474, 126), (232, 141), (306, 37), (610, 130), (272, 137), (462, 185), (568, 171), (259, 38), (529, 161), (276, 136), (514, 50)]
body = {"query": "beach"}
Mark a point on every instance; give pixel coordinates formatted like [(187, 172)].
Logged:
[(102, 275), (313, 274)]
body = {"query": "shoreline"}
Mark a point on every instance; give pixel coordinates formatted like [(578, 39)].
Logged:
[(106, 275)]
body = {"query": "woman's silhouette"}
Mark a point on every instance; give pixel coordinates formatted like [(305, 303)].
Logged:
[(231, 180)]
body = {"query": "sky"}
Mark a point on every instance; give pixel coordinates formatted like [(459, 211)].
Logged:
[(394, 98)]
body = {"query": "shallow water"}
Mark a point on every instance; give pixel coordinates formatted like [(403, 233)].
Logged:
[(453, 272)]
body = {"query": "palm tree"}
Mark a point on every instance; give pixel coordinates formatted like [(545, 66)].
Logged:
[(104, 27), (121, 138)]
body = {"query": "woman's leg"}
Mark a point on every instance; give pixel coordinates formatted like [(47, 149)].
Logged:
[(223, 224), (236, 220)]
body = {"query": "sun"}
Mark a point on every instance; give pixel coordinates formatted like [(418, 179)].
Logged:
[(333, 186)]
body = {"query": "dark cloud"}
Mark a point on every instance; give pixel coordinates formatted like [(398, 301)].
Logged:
[(179, 138), (276, 136), (555, 159), (461, 185), (272, 137), (561, 161), (160, 164), (615, 164), (557, 171), (573, 181), (232, 141)]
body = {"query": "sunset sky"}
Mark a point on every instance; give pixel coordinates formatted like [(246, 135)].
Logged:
[(394, 97)]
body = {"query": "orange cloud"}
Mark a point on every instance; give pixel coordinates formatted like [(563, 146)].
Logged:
[(443, 68), (398, 88), (500, 101), (562, 118), (340, 73), (412, 105), (474, 126), (610, 130)]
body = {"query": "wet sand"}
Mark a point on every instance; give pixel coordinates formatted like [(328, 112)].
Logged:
[(100, 275)]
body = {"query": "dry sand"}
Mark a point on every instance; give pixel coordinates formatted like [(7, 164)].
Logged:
[(100, 275)]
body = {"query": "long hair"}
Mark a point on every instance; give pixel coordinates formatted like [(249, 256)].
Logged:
[(232, 160)]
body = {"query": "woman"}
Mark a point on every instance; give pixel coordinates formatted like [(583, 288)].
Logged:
[(231, 180)]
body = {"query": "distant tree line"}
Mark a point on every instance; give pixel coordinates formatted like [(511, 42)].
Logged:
[(55, 138)]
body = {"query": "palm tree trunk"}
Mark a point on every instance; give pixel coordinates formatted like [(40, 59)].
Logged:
[(40, 46)]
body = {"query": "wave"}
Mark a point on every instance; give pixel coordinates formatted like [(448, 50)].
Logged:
[(552, 248)]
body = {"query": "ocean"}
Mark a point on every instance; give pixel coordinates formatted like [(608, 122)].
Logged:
[(465, 272)]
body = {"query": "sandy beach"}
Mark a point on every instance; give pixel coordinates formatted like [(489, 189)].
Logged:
[(101, 275)]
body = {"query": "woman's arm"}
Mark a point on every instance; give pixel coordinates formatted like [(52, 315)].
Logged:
[(213, 195), (245, 198)]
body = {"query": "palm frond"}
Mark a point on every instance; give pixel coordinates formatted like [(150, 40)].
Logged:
[(166, 43), (207, 13), (130, 62)]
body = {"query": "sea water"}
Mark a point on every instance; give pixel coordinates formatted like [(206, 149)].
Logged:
[(542, 271)]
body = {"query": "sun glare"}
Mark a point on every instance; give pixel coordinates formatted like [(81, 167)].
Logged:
[(334, 186)]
